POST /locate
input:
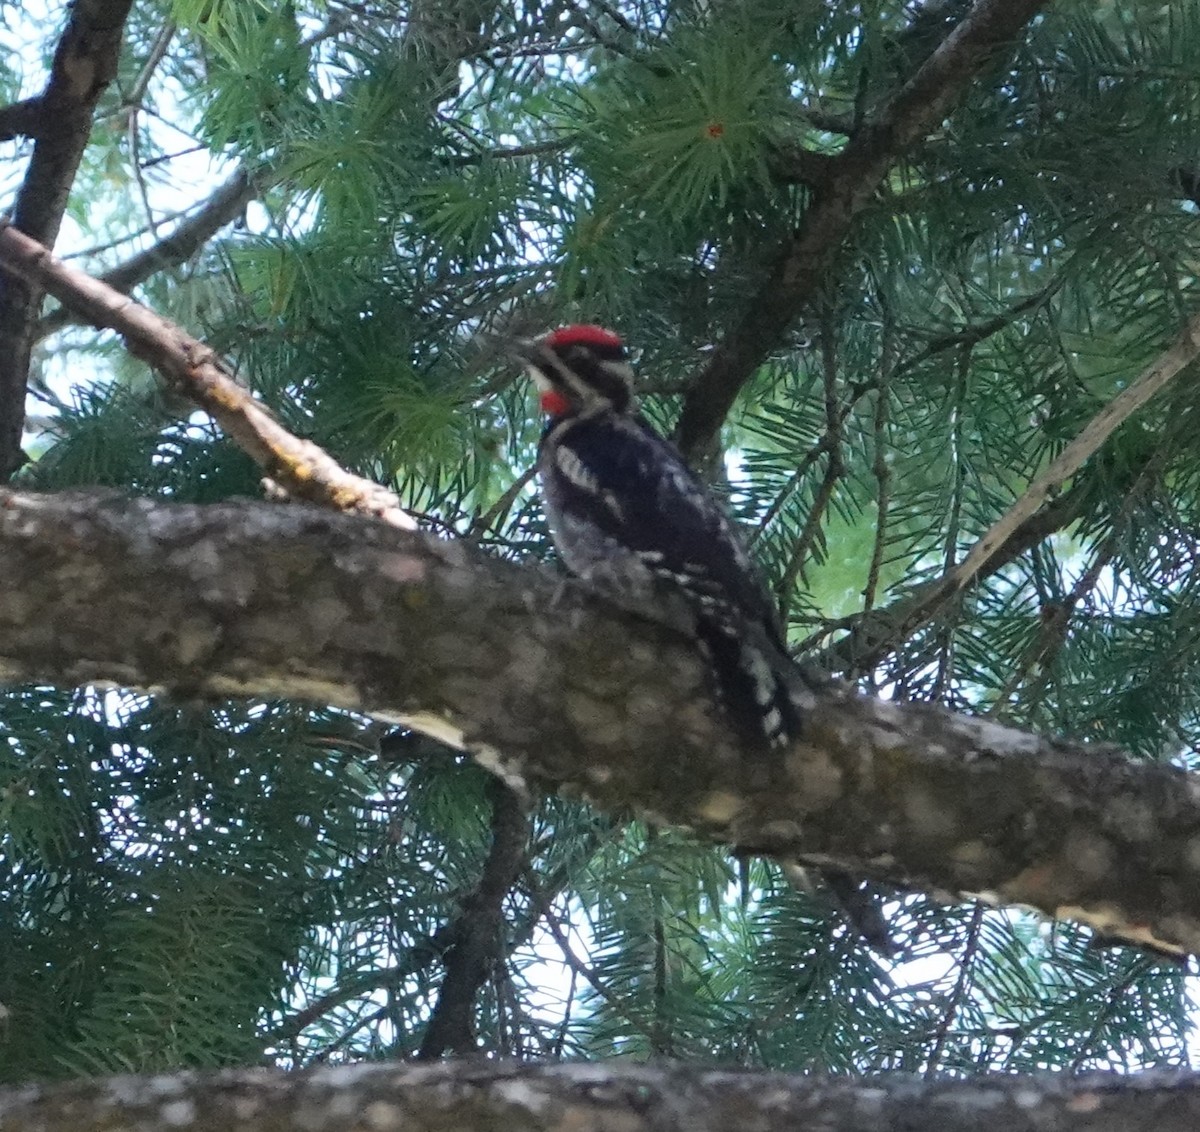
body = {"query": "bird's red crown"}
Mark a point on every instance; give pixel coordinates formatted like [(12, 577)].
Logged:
[(584, 334)]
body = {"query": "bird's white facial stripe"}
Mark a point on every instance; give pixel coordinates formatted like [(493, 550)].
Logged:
[(563, 376), (549, 372), (543, 383)]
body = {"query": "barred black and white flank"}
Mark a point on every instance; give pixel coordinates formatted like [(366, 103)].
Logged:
[(628, 516)]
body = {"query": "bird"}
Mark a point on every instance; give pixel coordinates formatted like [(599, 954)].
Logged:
[(630, 519)]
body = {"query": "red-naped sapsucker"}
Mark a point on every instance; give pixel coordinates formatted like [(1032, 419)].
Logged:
[(629, 517)]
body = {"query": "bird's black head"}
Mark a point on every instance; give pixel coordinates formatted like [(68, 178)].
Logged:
[(580, 369)]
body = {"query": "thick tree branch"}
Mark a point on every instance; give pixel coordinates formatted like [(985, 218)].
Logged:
[(190, 235), (299, 467), (592, 1097), (543, 682), (84, 64), (850, 180)]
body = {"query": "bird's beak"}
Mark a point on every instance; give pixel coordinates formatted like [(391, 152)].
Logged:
[(526, 350), (533, 355)]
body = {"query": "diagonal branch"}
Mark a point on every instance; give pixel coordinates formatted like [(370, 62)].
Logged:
[(223, 207), (544, 682), (873, 634), (1182, 352), (1029, 520), (850, 181), (299, 467), (85, 62)]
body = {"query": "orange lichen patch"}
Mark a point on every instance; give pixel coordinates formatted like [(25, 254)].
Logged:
[(1035, 885), (1084, 1102), (1108, 921)]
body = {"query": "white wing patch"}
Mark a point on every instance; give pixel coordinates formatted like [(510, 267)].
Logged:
[(574, 470)]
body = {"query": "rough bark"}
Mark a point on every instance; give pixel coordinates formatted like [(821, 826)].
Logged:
[(544, 683), (85, 62), (609, 1097)]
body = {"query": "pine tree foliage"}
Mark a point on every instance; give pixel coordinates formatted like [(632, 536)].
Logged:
[(210, 884)]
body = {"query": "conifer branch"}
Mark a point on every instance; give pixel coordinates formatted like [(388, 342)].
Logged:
[(850, 181), (1155, 377), (300, 468), (1032, 518), (471, 944), (189, 236)]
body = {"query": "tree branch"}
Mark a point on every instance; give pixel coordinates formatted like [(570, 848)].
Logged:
[(84, 65), (1026, 523), (850, 180), (223, 207), (300, 467), (544, 683), (1167, 366), (874, 633), (593, 1097), (24, 119), (472, 943)]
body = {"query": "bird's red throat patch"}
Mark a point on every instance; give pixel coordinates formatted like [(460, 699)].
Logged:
[(554, 403)]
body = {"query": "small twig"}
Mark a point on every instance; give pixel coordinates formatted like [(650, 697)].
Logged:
[(1137, 968), (832, 444), (130, 106), (577, 966), (300, 467), (338, 22), (127, 238), (953, 526), (809, 458), (879, 465), (1053, 632), (158, 52), (974, 333), (173, 249), (139, 176), (344, 1038), (499, 510), (970, 949)]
